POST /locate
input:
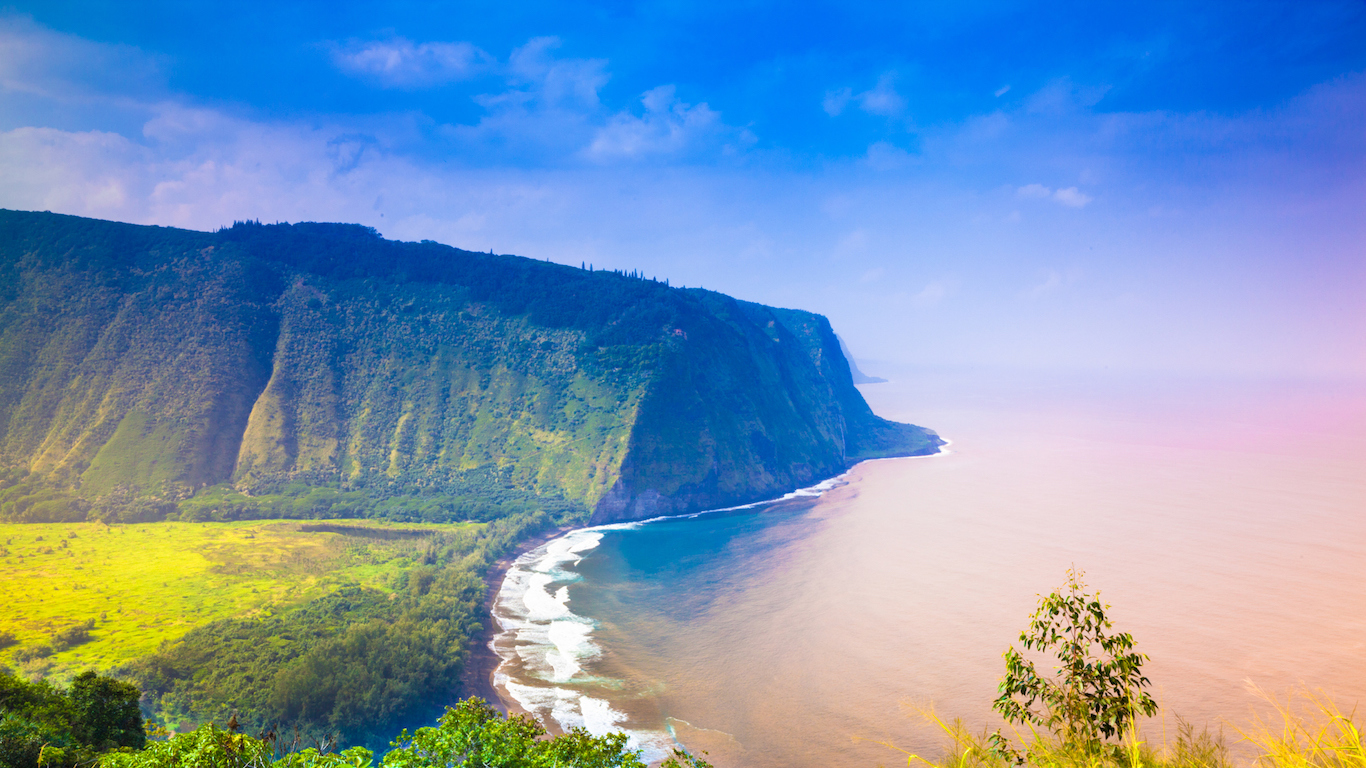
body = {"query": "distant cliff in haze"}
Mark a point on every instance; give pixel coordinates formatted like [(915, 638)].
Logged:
[(859, 377), (323, 363)]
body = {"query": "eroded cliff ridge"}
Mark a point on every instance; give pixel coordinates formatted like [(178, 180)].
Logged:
[(308, 359)]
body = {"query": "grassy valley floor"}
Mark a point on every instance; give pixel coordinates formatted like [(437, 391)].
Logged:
[(90, 596)]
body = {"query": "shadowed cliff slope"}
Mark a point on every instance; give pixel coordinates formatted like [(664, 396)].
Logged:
[(152, 362)]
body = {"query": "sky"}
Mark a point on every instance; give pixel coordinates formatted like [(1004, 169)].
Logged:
[(1153, 187)]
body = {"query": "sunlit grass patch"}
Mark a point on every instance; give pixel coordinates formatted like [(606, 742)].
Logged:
[(90, 596), (965, 749), (1306, 731), (1312, 733)]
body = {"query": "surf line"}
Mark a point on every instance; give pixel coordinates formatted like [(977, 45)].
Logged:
[(543, 646)]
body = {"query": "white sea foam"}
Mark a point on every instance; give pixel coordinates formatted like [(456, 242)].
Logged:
[(654, 746), (572, 645), (540, 604), (532, 607), (552, 643), (538, 700), (598, 717), (571, 709)]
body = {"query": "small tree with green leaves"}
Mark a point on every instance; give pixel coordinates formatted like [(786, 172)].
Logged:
[(1098, 690), (473, 734)]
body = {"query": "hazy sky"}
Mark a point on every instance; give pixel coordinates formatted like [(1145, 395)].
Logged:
[(1148, 187)]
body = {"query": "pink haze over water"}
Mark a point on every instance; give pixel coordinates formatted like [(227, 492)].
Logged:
[(1225, 521)]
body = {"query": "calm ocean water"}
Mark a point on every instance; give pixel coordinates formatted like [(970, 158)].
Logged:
[(1225, 521)]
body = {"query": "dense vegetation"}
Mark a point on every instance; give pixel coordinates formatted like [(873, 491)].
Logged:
[(97, 721), (358, 664), (41, 724), (319, 370), (86, 595), (347, 630), (470, 734)]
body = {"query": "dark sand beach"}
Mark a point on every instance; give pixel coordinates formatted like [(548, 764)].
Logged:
[(477, 679)]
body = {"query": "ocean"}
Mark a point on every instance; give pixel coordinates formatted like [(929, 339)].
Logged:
[(1224, 521)]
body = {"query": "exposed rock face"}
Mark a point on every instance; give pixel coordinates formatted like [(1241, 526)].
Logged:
[(166, 360)]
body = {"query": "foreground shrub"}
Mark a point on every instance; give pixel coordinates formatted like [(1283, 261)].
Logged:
[(205, 747), (41, 724), (471, 735), (1098, 688)]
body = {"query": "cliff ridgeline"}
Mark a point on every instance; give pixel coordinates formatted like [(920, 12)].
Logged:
[(150, 373)]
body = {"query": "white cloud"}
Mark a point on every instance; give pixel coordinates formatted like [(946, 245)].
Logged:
[(885, 156), (347, 151), (836, 101), (852, 243), (251, 170), (882, 99), (668, 126), (84, 173), (38, 61), (1003, 90), (1053, 282), (1063, 96), (932, 294), (1068, 196), (1071, 197), (400, 63), (1049, 285), (547, 112), (557, 81)]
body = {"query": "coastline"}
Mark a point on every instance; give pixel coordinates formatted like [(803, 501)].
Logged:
[(484, 661), (477, 677)]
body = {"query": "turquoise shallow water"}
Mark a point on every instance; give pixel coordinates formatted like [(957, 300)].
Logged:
[(1226, 525), (574, 611)]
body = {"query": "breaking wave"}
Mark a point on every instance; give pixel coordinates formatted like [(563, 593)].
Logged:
[(546, 649)]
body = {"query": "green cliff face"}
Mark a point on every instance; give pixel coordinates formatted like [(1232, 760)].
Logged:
[(158, 362)]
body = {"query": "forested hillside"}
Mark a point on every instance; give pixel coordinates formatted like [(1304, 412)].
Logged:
[(318, 370)]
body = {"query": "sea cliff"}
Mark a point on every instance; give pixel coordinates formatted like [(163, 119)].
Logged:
[(321, 361)]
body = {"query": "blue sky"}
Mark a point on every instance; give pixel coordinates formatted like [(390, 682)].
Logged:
[(1153, 187)]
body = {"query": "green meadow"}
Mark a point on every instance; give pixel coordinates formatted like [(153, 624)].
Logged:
[(89, 596)]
